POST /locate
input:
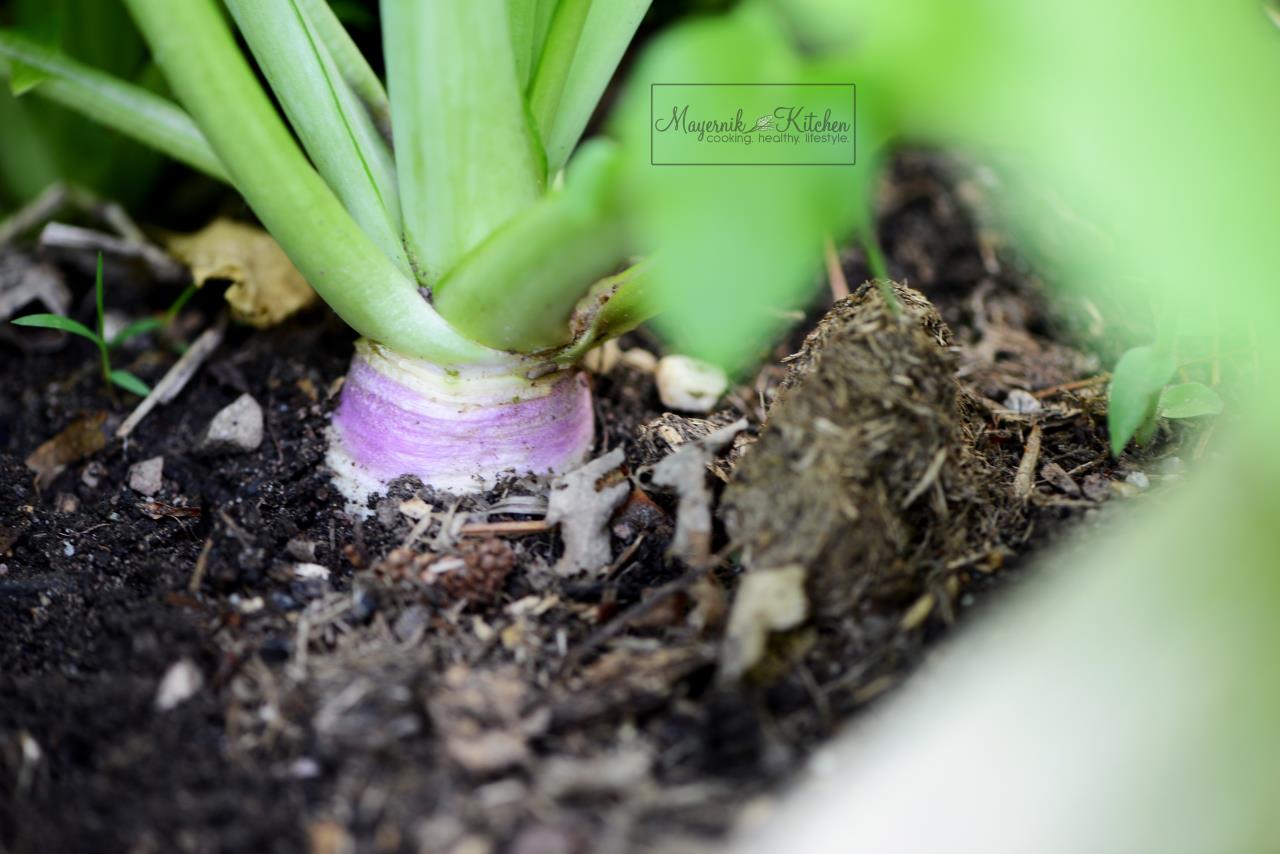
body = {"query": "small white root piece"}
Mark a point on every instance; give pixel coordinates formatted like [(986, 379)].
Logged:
[(583, 509)]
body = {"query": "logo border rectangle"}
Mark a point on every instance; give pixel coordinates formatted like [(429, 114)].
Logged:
[(851, 86)]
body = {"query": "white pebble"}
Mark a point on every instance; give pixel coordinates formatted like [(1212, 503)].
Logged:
[(689, 385), (235, 429), (1138, 480), (145, 477), (1022, 402), (180, 683)]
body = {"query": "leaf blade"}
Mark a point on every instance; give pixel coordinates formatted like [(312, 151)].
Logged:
[(1189, 400), (57, 321), (1134, 392), (129, 382), (121, 106), (466, 157)]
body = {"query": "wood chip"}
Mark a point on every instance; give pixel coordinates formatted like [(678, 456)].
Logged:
[(1024, 481)]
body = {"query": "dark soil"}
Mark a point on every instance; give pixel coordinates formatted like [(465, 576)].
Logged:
[(506, 711)]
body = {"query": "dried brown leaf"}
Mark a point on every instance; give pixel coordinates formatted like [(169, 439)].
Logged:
[(265, 286), (79, 439)]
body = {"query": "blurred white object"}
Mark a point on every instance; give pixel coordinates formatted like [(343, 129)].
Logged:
[(689, 385)]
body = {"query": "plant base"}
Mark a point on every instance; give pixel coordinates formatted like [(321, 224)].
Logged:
[(458, 432)]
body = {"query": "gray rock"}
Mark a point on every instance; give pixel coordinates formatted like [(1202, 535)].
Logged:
[(1022, 402), (146, 477), (234, 430)]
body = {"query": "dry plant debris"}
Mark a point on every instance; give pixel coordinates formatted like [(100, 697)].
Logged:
[(865, 473), (685, 470), (582, 502), (78, 440), (265, 286)]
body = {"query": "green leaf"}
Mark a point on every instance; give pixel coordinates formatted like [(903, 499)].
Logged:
[(732, 248), (178, 304), (609, 28), (335, 129), (210, 77), (99, 293), (126, 108), (466, 155), (1134, 393), (129, 382), (57, 321), (329, 23), (134, 329), (517, 290), (1189, 400), (554, 65)]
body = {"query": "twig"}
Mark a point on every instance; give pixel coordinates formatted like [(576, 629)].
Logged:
[(835, 272), (38, 210), (202, 563), (507, 529), (178, 376), (1025, 478), (69, 238), (1071, 386), (930, 475)]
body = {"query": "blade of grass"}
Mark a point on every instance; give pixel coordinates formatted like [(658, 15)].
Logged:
[(334, 128), (198, 54), (100, 297), (121, 106), (57, 321), (129, 382), (518, 289), (466, 156), (555, 61), (134, 329), (352, 65), (608, 30)]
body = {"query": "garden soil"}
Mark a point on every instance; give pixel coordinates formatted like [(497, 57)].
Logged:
[(237, 663)]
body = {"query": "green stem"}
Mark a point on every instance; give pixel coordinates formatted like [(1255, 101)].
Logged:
[(517, 290), (555, 62), (123, 107), (194, 47), (466, 157)]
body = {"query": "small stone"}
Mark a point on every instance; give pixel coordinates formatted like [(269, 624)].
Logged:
[(301, 549), (236, 429), (411, 622), (1022, 402), (145, 477), (93, 474), (1138, 480), (68, 549), (67, 503), (310, 572), (690, 385), (640, 360), (180, 683), (603, 359)]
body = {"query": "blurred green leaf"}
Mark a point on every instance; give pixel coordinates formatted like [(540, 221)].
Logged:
[(57, 321), (1134, 394), (734, 248), (129, 382), (134, 329), (1189, 400)]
